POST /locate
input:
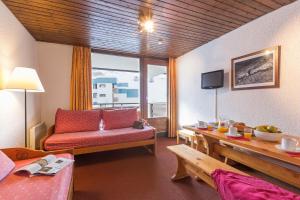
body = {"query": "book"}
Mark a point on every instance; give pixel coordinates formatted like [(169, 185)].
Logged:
[(48, 165)]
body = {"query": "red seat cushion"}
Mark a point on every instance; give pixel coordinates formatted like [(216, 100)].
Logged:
[(98, 138), (6, 165), (20, 187), (122, 118), (232, 186), (67, 121)]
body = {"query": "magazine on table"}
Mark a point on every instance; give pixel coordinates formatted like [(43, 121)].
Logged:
[(48, 165)]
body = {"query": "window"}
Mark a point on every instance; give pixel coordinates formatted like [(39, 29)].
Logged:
[(116, 80), (102, 85)]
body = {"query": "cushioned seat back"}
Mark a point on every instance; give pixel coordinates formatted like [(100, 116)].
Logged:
[(67, 121), (121, 118)]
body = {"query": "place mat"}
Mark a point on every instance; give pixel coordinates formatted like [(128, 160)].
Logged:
[(293, 154), (238, 138)]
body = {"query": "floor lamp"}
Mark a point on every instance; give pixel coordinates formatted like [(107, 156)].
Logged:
[(27, 80)]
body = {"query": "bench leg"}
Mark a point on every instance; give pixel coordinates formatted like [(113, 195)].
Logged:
[(151, 149), (186, 140), (181, 170), (192, 141)]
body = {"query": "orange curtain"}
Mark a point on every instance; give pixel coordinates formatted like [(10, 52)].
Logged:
[(81, 79), (172, 105)]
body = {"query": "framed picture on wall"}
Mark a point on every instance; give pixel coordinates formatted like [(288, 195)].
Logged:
[(256, 70)]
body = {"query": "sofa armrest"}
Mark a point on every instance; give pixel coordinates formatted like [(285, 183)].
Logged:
[(24, 154), (49, 133)]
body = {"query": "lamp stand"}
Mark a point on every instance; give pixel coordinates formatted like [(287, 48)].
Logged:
[(25, 97)]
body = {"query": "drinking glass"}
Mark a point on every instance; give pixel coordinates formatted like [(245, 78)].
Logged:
[(247, 132), (223, 125)]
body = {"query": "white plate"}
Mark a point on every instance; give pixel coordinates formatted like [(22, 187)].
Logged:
[(278, 146), (201, 126), (233, 135)]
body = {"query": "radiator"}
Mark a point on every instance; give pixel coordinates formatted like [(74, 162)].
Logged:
[(36, 133)]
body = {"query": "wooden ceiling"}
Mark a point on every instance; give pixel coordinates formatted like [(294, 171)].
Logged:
[(111, 25)]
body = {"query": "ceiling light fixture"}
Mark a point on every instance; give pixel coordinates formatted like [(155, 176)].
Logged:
[(160, 41), (267, 52), (145, 21)]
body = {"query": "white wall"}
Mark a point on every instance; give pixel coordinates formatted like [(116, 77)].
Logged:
[(55, 63), (17, 49), (262, 106)]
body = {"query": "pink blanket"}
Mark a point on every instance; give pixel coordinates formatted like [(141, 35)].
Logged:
[(232, 186)]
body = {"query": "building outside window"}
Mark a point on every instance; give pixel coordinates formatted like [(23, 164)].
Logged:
[(116, 80)]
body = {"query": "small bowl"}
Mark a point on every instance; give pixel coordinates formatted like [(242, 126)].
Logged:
[(272, 137)]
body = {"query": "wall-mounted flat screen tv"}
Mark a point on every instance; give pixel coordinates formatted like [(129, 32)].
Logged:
[(212, 80)]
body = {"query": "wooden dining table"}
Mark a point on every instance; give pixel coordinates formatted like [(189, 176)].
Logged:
[(252, 153)]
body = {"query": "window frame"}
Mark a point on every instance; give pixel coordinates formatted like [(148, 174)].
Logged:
[(144, 61)]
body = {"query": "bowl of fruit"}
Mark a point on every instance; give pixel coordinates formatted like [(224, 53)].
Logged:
[(268, 133)]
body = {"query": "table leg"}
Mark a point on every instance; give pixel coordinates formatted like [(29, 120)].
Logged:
[(192, 141), (181, 170), (210, 143)]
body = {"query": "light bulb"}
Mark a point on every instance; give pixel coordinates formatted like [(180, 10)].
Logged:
[(160, 41)]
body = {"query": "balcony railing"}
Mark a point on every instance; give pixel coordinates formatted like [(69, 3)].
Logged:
[(109, 105), (157, 109)]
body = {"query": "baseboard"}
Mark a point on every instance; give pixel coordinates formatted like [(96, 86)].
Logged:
[(162, 134)]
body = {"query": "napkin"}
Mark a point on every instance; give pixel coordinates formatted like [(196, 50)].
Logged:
[(238, 138), (294, 154)]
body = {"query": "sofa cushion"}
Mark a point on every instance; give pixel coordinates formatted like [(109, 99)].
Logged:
[(67, 121), (6, 165), (20, 187), (98, 138), (122, 118)]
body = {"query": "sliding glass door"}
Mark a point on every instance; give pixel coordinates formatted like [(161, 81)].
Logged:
[(155, 93)]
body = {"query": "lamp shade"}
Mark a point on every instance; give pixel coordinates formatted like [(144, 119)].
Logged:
[(26, 79)]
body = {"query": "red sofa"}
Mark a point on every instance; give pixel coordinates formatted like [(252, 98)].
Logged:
[(80, 130), (20, 187)]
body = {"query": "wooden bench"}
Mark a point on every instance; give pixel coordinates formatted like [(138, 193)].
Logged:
[(194, 163), (189, 136), (196, 141)]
